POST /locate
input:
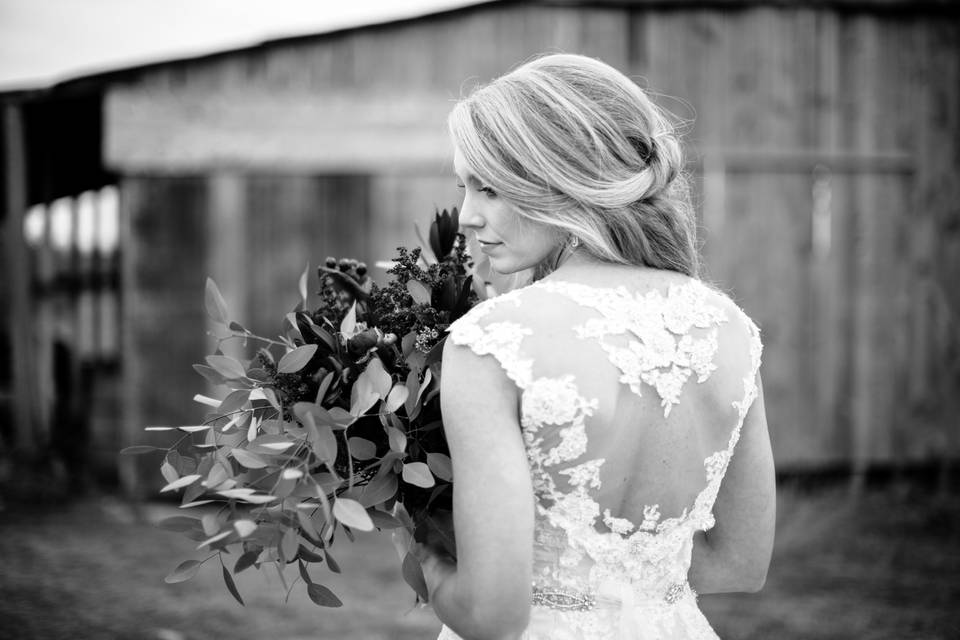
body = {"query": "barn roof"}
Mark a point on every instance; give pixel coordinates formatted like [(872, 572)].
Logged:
[(84, 83), (62, 122)]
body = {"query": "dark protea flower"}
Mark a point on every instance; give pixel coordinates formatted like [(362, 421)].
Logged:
[(443, 232), (362, 342)]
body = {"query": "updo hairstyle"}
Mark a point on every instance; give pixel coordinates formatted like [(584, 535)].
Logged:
[(575, 145)]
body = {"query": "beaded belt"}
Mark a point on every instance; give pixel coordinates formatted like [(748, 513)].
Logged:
[(565, 599)]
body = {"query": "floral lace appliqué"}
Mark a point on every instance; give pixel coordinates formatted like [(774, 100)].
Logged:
[(660, 351)]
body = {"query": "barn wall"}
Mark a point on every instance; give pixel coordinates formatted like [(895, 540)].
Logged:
[(823, 144)]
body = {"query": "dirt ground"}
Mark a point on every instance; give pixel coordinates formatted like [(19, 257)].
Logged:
[(886, 565)]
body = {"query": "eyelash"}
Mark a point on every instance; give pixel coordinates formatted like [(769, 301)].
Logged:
[(487, 190)]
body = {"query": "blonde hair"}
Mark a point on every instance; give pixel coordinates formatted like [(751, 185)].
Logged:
[(576, 146)]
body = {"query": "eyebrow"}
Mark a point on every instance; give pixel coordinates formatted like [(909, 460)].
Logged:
[(467, 177)]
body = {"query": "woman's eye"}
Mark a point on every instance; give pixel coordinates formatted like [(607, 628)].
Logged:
[(460, 185), (487, 190)]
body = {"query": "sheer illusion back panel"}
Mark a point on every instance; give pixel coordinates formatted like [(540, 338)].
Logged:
[(632, 401), (626, 394)]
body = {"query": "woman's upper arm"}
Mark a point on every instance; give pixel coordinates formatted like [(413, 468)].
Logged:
[(493, 495), (735, 553)]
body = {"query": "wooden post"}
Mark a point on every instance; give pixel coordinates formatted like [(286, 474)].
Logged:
[(26, 402), (131, 432), (227, 231)]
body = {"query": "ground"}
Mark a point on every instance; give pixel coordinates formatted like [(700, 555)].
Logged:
[(885, 564)]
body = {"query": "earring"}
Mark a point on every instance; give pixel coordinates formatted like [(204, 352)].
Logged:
[(574, 242)]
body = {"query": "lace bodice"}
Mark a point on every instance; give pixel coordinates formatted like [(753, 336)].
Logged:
[(625, 383)]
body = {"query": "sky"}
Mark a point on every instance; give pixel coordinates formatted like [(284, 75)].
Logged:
[(45, 41)]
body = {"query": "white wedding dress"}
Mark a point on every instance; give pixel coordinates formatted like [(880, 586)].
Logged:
[(632, 404)]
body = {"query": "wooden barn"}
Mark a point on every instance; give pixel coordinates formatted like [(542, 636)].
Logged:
[(824, 145)]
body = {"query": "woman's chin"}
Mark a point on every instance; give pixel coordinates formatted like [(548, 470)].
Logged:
[(504, 267)]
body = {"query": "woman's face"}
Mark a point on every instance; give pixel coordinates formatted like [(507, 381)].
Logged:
[(511, 242)]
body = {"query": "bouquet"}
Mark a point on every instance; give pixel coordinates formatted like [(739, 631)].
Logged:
[(331, 428)]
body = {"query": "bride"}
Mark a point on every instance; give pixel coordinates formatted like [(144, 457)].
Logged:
[(606, 423)]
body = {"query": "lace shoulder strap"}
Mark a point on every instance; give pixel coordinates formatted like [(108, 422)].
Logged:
[(500, 339), (716, 465)]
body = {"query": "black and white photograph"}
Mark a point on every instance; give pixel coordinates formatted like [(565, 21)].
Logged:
[(480, 320)]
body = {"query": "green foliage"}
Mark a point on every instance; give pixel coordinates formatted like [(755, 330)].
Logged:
[(331, 428)]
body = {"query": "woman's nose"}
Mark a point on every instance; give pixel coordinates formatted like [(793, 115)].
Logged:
[(469, 215)]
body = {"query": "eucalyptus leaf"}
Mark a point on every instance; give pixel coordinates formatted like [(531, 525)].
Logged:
[(217, 538), (323, 441), (322, 596), (349, 323), (291, 319), (181, 482), (331, 562), (440, 465), (352, 514), (397, 396), (379, 490), (231, 586), (183, 572), (324, 386), (302, 285), (364, 394), (139, 449), (306, 525), (270, 444), (413, 386), (249, 459), (271, 397), (304, 573), (212, 376), (244, 527), (289, 545), (245, 561), (341, 417), (308, 556), (226, 366), (193, 428), (234, 401), (379, 377), (397, 439), (214, 303), (211, 525), (196, 503), (383, 520), (293, 361), (253, 429), (407, 343), (418, 474), (362, 449), (216, 476), (202, 399), (168, 471), (247, 495), (413, 575)]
